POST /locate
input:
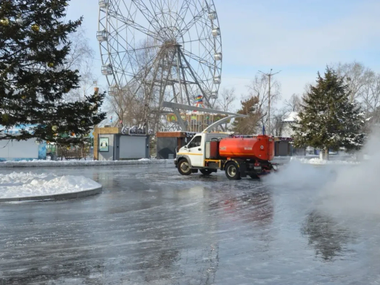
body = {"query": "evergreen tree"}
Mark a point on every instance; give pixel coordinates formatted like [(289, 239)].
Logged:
[(247, 125), (33, 80), (328, 120)]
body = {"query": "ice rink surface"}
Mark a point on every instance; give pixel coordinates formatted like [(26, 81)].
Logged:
[(150, 225)]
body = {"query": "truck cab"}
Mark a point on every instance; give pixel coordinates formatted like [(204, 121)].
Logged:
[(191, 157)]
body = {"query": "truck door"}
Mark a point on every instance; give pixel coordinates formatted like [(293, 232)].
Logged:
[(196, 151)]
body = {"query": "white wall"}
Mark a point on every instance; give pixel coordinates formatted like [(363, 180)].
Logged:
[(287, 131), (10, 150)]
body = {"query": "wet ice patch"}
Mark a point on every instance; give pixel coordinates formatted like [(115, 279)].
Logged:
[(23, 184)]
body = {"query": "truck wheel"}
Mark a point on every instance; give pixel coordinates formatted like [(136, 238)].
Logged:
[(205, 172), (232, 171), (184, 167)]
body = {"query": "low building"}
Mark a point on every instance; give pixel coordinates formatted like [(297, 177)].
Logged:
[(283, 144), (115, 143), (14, 150), (169, 142)]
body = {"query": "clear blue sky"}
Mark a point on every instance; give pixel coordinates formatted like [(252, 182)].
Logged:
[(298, 37)]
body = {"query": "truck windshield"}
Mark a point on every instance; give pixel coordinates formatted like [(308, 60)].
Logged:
[(196, 141)]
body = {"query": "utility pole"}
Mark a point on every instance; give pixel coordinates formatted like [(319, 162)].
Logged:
[(270, 74)]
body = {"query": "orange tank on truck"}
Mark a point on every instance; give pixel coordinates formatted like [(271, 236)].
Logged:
[(259, 147)]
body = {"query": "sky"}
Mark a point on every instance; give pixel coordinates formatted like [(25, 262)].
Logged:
[(297, 38)]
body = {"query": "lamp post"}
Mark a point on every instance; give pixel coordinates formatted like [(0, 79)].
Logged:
[(270, 74)]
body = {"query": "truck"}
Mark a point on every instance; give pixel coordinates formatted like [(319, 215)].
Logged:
[(237, 156)]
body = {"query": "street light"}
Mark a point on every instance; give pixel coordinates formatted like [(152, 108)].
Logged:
[(270, 74)]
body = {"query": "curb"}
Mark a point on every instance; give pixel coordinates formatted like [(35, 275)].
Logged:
[(64, 196), (65, 163)]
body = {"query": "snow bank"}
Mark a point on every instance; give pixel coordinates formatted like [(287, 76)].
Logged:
[(26, 184), (82, 162), (319, 161)]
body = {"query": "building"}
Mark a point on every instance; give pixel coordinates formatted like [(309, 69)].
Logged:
[(289, 120), (116, 143), (283, 144)]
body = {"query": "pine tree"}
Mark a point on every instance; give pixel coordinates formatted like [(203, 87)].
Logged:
[(33, 80), (247, 125), (328, 120)]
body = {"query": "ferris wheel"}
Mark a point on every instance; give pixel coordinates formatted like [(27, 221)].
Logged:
[(165, 50)]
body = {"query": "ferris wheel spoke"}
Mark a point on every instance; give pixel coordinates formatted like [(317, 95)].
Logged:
[(131, 50), (131, 54), (197, 15), (193, 21), (207, 68), (200, 60), (196, 40), (145, 70), (116, 54), (148, 15), (132, 24), (158, 6), (182, 12)]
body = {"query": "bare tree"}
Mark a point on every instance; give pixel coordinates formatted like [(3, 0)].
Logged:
[(356, 76), (224, 102), (226, 98), (370, 94), (80, 58), (278, 121), (259, 87), (293, 104), (364, 85), (127, 107)]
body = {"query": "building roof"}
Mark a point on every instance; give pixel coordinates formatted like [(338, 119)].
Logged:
[(291, 117)]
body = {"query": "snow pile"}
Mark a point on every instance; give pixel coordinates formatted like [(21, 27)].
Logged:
[(21, 184), (318, 161)]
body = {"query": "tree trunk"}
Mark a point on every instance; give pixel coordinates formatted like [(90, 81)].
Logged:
[(324, 154)]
